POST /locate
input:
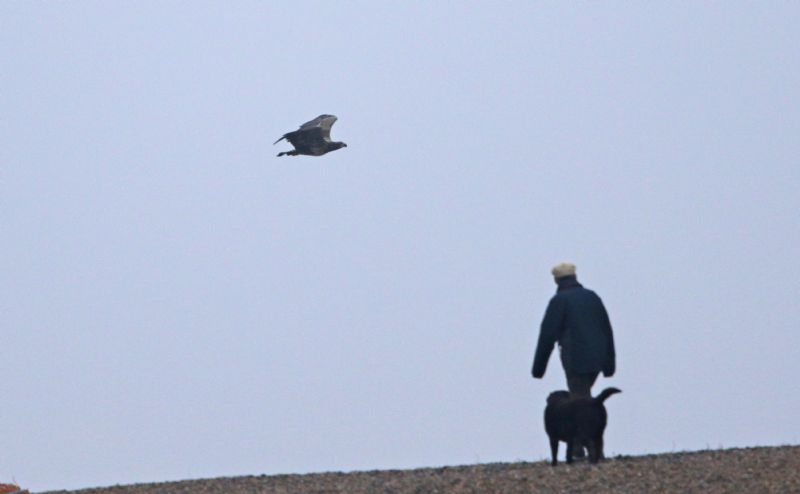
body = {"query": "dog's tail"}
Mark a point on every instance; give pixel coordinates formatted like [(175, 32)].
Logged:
[(606, 393)]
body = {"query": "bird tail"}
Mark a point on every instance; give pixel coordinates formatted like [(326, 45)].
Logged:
[(279, 140), (606, 393)]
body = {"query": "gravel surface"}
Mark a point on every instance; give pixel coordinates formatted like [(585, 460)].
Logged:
[(745, 470)]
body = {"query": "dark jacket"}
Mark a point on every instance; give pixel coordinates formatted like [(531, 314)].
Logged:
[(578, 321)]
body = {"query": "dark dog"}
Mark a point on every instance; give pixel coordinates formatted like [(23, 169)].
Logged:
[(579, 421)]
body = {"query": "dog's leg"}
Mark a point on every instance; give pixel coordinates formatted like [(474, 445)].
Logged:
[(554, 451), (599, 442), (594, 450), (570, 446), (578, 451)]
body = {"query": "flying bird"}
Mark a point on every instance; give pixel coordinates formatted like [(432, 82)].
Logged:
[(312, 138)]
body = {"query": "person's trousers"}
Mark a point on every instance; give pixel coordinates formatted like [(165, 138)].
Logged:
[(581, 384)]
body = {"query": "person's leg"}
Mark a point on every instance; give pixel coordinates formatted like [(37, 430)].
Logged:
[(581, 385)]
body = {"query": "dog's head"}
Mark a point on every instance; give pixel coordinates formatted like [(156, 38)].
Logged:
[(557, 397)]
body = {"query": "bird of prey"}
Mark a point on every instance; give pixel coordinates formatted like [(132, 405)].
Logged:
[(312, 138)]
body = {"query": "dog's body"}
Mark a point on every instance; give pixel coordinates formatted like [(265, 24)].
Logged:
[(579, 421)]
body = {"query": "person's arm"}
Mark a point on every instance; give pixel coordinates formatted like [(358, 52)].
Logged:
[(611, 358), (548, 335)]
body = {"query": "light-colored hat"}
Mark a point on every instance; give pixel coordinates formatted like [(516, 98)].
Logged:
[(563, 269)]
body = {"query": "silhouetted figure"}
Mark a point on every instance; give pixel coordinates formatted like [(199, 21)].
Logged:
[(312, 138), (577, 320)]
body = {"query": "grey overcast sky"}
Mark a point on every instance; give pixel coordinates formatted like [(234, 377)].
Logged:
[(178, 302)]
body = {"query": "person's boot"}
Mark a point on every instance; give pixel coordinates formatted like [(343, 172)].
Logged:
[(579, 453)]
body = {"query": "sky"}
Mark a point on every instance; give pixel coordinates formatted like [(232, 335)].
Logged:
[(177, 302)]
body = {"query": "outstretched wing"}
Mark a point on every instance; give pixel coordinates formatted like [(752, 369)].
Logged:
[(306, 139), (322, 122), (313, 136)]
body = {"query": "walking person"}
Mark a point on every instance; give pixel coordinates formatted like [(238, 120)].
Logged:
[(577, 320)]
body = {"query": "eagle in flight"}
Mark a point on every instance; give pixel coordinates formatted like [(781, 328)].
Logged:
[(312, 138)]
